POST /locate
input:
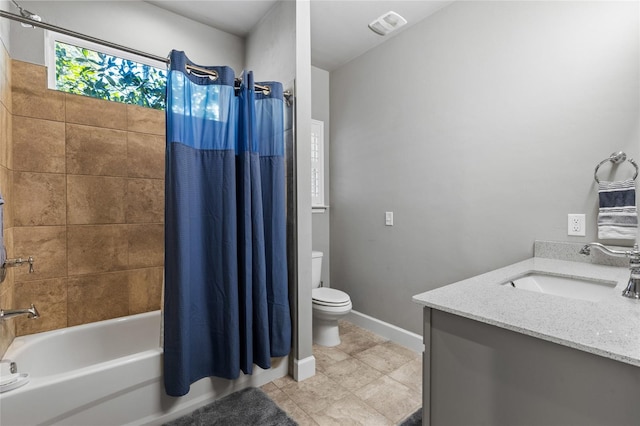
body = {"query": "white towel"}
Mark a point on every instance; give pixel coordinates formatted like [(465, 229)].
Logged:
[(617, 214)]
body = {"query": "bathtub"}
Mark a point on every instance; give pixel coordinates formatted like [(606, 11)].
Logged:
[(106, 373)]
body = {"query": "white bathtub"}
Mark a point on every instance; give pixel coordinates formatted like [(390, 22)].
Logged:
[(105, 373)]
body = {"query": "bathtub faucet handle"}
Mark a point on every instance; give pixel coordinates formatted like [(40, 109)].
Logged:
[(10, 263)]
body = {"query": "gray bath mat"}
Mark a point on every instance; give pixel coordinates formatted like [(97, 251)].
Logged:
[(247, 407), (413, 420)]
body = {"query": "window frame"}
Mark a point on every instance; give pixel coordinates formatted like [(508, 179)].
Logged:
[(51, 37), (318, 202)]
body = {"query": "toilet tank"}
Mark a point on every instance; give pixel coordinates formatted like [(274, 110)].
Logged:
[(316, 268)]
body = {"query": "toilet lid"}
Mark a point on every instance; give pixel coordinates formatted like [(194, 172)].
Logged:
[(330, 296)]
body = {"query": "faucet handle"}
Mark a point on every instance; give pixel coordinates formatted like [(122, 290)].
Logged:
[(10, 263)]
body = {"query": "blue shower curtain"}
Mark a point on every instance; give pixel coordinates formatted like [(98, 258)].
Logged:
[(226, 304)]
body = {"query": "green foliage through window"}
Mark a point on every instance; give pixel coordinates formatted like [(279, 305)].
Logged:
[(87, 72)]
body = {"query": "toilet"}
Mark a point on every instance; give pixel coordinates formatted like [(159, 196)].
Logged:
[(329, 305)]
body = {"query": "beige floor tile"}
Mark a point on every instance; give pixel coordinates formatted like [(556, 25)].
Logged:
[(350, 411), (352, 374), (349, 391), (403, 350), (346, 326), (369, 334), (393, 399), (355, 341), (327, 356), (283, 381), (315, 394), (276, 395), (269, 388), (386, 357), (298, 414), (410, 374), (291, 408)]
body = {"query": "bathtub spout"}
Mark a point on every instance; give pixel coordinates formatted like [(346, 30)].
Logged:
[(31, 313)]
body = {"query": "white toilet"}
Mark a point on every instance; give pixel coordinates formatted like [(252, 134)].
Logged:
[(329, 305)]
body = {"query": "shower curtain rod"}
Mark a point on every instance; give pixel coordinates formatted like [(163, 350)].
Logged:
[(54, 28), (44, 25)]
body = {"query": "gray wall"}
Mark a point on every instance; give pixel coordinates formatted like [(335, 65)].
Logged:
[(479, 128), (5, 26), (320, 111), (270, 47), (273, 53), (138, 25)]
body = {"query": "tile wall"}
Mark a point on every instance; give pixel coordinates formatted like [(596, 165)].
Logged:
[(86, 201)]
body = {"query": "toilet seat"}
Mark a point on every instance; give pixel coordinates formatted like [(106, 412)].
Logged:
[(325, 296)]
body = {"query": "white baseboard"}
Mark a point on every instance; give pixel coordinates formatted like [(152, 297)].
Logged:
[(304, 368), (388, 331)]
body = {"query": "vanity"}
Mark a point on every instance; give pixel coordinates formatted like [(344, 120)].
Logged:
[(501, 350)]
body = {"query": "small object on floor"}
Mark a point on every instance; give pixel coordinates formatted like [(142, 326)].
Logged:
[(413, 420), (250, 406)]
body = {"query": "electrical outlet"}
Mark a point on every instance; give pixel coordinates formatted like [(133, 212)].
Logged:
[(576, 225)]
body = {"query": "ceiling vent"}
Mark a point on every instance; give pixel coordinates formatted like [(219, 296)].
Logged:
[(387, 23)]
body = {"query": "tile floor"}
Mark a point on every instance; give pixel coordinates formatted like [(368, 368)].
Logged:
[(366, 380)]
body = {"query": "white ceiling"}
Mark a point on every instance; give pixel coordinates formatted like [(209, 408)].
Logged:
[(231, 16), (339, 31)]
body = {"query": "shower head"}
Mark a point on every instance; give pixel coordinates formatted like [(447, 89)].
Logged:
[(26, 14)]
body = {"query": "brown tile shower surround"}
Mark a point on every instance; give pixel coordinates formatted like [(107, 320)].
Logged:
[(83, 181)]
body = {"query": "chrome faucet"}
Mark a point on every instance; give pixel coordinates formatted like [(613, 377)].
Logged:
[(31, 313), (632, 290), (12, 263)]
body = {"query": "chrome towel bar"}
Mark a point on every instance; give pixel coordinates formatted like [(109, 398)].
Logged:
[(616, 158)]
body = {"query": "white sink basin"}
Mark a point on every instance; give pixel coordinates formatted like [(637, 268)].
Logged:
[(558, 285)]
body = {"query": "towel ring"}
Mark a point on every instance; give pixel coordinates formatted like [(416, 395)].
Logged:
[(616, 158)]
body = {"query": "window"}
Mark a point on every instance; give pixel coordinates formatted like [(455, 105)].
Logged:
[(317, 165), (84, 68)]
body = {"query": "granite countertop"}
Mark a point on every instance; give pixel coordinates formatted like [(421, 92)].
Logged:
[(609, 327)]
